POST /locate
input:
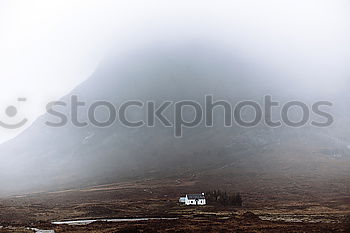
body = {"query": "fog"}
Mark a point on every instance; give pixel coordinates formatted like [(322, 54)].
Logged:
[(48, 48), (119, 51)]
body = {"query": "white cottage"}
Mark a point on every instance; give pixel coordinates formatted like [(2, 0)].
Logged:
[(193, 199)]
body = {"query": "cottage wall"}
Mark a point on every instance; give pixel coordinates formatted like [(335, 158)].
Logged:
[(193, 201)]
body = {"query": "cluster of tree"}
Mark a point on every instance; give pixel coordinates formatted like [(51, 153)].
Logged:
[(224, 198)]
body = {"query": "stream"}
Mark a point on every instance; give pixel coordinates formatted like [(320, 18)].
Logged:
[(88, 221)]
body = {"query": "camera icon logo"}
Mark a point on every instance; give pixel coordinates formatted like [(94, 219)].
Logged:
[(11, 111)]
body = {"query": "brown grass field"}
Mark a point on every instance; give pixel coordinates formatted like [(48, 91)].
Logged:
[(159, 198)]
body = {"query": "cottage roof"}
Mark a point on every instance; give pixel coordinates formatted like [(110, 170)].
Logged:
[(195, 196)]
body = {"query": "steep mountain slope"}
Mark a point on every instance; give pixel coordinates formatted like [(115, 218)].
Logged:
[(47, 158)]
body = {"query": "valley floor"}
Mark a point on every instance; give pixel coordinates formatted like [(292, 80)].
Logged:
[(159, 198)]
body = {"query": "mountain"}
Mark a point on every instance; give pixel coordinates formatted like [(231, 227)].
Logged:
[(51, 158)]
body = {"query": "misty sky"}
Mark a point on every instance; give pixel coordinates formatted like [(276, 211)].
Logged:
[(49, 47)]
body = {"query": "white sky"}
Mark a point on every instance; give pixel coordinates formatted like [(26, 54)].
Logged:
[(48, 47)]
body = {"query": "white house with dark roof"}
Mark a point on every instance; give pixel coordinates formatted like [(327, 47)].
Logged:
[(193, 199)]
